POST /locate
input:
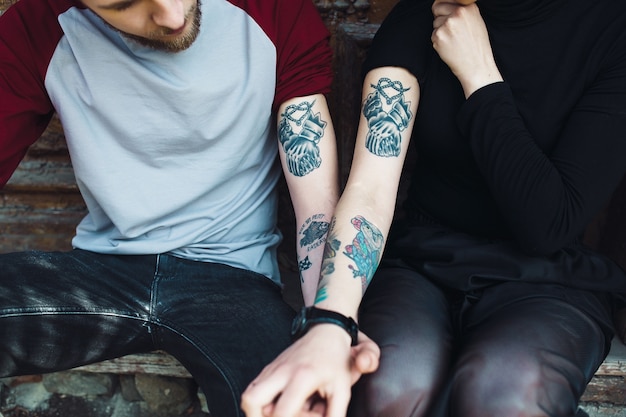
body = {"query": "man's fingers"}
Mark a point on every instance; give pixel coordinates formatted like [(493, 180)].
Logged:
[(337, 404), (295, 395), (259, 394), (315, 406), (268, 410)]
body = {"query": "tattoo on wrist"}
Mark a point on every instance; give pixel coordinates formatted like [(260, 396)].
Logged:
[(388, 115), (321, 295), (304, 264), (299, 132)]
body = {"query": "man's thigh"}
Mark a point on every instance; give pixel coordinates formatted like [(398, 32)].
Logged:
[(63, 309), (223, 323)]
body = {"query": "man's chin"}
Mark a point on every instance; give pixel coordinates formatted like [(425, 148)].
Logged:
[(177, 44), (172, 43)]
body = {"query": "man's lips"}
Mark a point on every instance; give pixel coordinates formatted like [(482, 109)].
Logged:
[(178, 31)]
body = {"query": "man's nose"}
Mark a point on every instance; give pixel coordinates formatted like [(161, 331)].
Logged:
[(169, 13)]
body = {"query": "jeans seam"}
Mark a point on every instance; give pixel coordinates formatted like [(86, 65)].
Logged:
[(207, 353), (69, 312), (152, 319), (158, 325)]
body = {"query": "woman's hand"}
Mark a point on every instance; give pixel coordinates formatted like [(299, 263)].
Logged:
[(460, 38), (313, 377)]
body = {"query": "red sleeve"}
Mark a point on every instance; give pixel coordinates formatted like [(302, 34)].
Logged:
[(304, 54), (303, 50), (29, 33)]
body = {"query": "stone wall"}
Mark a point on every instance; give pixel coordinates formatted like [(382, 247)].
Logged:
[(83, 394)]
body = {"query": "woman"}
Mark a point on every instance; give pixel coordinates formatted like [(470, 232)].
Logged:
[(486, 302)]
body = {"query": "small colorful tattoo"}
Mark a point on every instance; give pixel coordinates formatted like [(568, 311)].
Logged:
[(365, 250)]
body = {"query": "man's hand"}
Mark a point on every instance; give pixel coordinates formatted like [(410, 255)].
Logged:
[(460, 38), (313, 377)]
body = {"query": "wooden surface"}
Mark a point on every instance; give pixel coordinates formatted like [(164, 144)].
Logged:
[(40, 206), (155, 363), (608, 386)]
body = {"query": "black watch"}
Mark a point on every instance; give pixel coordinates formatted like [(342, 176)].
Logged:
[(310, 316)]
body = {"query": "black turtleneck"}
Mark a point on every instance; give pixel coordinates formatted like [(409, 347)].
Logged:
[(531, 159), (519, 12)]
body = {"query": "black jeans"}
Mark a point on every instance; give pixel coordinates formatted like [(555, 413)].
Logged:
[(512, 349), (64, 309)]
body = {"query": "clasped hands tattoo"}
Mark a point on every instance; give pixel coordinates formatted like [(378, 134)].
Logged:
[(385, 109), (388, 115), (385, 126), (301, 147)]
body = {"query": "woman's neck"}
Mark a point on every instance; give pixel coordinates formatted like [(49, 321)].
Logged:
[(519, 12)]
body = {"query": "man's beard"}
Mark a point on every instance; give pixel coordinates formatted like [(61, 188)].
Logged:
[(178, 44)]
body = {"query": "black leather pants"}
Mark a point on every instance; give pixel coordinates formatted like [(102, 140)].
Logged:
[(513, 349), (61, 310)]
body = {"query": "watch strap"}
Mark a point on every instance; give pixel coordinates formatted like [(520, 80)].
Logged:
[(310, 316)]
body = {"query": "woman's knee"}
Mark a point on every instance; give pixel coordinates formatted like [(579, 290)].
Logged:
[(380, 395), (519, 385)]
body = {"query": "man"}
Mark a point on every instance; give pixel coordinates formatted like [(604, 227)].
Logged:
[(169, 109)]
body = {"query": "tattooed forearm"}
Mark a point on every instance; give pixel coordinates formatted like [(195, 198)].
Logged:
[(328, 263), (311, 235), (313, 232), (303, 265), (322, 294), (365, 250), (386, 118), (301, 146)]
